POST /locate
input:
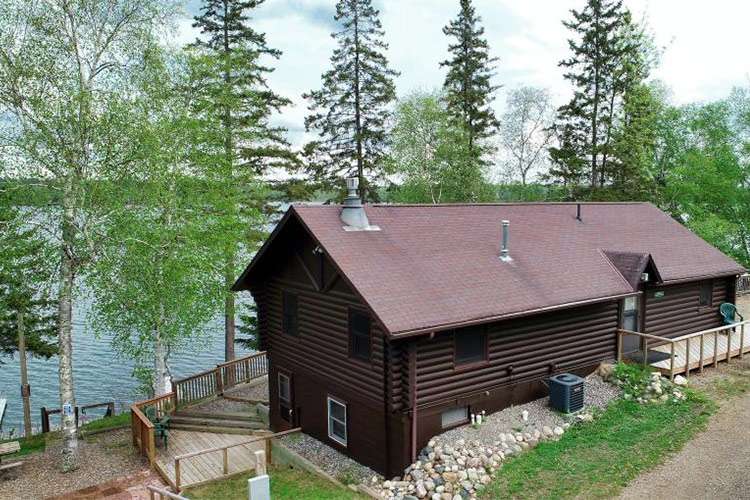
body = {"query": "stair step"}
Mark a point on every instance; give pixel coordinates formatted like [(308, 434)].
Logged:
[(217, 416), (214, 430), (211, 422)]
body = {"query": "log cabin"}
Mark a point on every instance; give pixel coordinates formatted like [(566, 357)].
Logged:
[(387, 324)]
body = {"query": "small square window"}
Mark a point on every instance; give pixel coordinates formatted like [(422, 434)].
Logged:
[(454, 416), (471, 345), (706, 294), (359, 335), (290, 324), (337, 421)]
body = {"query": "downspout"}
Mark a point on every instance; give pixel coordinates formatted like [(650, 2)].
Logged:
[(413, 397)]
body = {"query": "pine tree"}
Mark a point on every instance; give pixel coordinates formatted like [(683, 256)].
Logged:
[(229, 72), (350, 111), (468, 85), (595, 69), (27, 312)]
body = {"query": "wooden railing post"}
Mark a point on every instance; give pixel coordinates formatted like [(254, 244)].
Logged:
[(671, 361), (225, 458), (619, 346), (645, 353), (729, 344), (269, 451), (177, 474), (151, 447), (716, 349), (701, 360), (742, 340), (687, 358), (219, 380)]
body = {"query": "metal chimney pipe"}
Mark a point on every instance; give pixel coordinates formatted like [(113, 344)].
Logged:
[(578, 212), (504, 252)]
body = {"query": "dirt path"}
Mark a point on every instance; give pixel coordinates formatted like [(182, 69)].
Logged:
[(716, 464)]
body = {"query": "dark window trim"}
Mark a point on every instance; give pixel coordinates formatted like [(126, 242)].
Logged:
[(470, 365), (284, 323), (350, 347), (710, 285), (343, 403)]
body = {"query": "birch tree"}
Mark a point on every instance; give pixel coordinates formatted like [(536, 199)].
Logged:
[(65, 69)]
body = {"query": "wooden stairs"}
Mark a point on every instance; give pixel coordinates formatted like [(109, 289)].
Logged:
[(219, 423)]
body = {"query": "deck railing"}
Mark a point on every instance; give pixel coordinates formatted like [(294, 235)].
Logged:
[(700, 337), (224, 450), (191, 390), (743, 284), (215, 381)]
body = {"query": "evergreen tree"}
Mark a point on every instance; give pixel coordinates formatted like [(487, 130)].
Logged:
[(350, 111), (598, 69), (468, 85), (232, 78)]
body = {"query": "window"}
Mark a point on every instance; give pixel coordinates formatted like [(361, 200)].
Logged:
[(359, 335), (454, 416), (290, 324), (471, 345), (285, 397), (706, 296), (337, 421)]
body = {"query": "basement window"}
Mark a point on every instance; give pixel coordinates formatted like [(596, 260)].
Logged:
[(290, 321), (359, 335), (706, 296), (470, 345), (454, 417), (337, 421)]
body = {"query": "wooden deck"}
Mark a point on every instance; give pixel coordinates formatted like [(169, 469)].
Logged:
[(209, 466), (711, 353)]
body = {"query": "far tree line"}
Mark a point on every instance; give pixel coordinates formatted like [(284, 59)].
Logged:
[(159, 168)]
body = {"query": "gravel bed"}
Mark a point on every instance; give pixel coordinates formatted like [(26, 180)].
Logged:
[(102, 457), (597, 394), (255, 390), (330, 460)]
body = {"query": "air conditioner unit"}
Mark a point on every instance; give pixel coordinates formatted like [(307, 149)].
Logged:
[(566, 392)]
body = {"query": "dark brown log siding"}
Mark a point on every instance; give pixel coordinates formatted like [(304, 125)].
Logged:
[(678, 312), (559, 341)]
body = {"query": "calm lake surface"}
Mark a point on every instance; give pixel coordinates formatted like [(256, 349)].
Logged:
[(99, 373)]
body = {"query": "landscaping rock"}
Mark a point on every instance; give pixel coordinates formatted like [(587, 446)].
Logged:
[(680, 380)]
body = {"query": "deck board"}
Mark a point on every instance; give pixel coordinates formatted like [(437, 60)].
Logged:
[(202, 468), (711, 353)]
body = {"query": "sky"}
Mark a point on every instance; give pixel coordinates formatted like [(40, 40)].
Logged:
[(704, 43)]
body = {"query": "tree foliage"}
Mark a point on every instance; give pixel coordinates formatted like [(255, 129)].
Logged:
[(350, 112), (468, 86), (431, 154)]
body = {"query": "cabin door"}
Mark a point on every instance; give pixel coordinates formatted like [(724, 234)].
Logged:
[(630, 343), (286, 401)]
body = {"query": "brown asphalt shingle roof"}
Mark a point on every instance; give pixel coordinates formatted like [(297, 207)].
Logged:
[(433, 266)]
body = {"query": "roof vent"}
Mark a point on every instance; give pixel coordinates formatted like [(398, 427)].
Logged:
[(353, 213), (504, 252)]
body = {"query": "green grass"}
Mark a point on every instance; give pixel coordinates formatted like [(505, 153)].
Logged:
[(596, 460), (101, 424), (286, 483)]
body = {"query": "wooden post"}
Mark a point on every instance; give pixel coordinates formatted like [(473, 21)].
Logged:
[(269, 451), (716, 348), (177, 474), (687, 358), (151, 447), (133, 428), (151, 495), (701, 360), (619, 346), (671, 361), (219, 381), (225, 457), (260, 463), (729, 344), (742, 340), (645, 352)]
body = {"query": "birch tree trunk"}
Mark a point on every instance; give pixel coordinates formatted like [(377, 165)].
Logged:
[(161, 372), (65, 337)]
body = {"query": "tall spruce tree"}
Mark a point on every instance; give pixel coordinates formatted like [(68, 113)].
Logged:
[(601, 69), (468, 85), (350, 111), (230, 71)]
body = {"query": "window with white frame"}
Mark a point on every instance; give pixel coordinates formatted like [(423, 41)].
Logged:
[(337, 421), (285, 397)]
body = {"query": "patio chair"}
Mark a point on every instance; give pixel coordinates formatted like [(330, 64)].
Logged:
[(728, 312), (161, 425)]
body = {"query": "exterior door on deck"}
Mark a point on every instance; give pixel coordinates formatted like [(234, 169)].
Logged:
[(630, 343), (286, 401)]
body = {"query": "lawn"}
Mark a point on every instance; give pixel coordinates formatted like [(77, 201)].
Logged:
[(598, 459), (286, 483)]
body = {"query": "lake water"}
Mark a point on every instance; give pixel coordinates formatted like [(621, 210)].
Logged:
[(99, 373)]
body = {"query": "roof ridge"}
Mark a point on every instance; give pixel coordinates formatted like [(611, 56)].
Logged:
[(509, 203)]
